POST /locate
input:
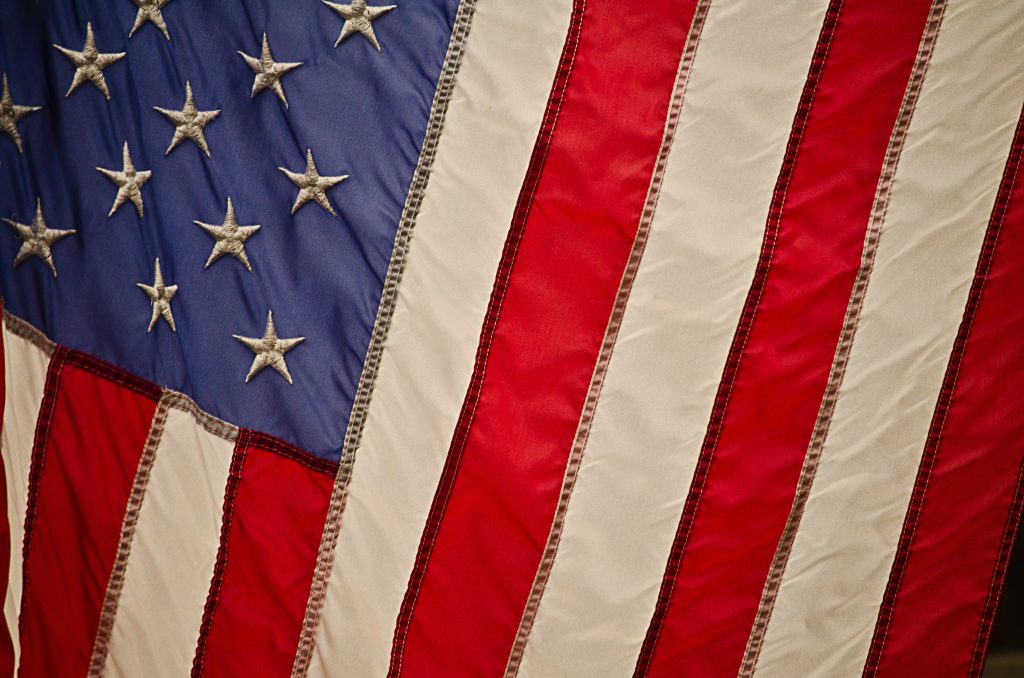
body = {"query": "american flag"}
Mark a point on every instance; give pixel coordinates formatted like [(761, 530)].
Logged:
[(547, 338)]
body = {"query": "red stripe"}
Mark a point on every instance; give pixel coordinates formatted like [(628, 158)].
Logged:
[(569, 243), (6, 644), (778, 365), (92, 430), (963, 514), (274, 514)]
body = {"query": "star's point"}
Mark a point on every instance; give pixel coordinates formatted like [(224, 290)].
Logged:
[(89, 63), (230, 238), (269, 72), (269, 350), (312, 186), (359, 18), (37, 238), (129, 182), (149, 11), (189, 122), (11, 113), (160, 296)]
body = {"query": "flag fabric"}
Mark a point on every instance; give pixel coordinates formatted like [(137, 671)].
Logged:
[(537, 338)]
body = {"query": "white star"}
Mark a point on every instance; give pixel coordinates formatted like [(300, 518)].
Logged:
[(129, 183), (160, 296), (312, 186), (230, 238), (269, 350), (189, 122), (269, 72), (149, 10), (89, 63), (359, 19), (11, 113), (37, 238)]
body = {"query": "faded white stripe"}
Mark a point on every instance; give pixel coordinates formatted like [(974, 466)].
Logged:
[(172, 555), (492, 123), (942, 196), (24, 376), (658, 394)]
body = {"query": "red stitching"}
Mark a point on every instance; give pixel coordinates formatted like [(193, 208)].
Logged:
[(269, 443), (739, 342), (508, 256), (112, 373), (942, 407), (213, 597)]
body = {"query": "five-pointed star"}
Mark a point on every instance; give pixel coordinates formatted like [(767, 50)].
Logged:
[(312, 186), (89, 63), (129, 183), (189, 122), (149, 10), (160, 296), (230, 238), (11, 113), (269, 72), (37, 238), (269, 350), (359, 19)]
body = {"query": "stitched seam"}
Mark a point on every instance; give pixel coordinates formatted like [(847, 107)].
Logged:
[(381, 329), (269, 443), (115, 582), (510, 250), (837, 372), (219, 568), (944, 405), (739, 344), (20, 328), (208, 422), (611, 335)]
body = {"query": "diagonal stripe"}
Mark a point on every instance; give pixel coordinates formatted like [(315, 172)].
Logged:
[(779, 361), (963, 512), (152, 620), (865, 451), (553, 294), (25, 365), (699, 12), (493, 117)]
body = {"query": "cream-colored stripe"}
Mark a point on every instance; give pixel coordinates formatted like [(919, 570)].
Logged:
[(492, 123), (25, 366), (744, 87), (943, 192), (172, 554)]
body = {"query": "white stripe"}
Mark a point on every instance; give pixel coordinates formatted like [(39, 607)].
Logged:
[(173, 553), (658, 394), (943, 193), (24, 376), (492, 122)]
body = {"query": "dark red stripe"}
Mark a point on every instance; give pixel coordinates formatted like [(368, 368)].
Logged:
[(274, 511), (91, 433), (778, 364), (569, 242), (955, 543)]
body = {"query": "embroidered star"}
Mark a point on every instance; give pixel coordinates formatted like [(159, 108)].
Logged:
[(160, 296), (269, 72), (11, 113), (269, 350), (230, 238), (359, 18), (312, 186), (89, 63), (188, 122), (149, 10), (129, 183), (37, 238)]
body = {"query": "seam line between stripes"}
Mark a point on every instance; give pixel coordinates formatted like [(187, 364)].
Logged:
[(20, 328), (115, 582), (524, 205), (608, 344), (769, 596), (942, 407), (381, 329)]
